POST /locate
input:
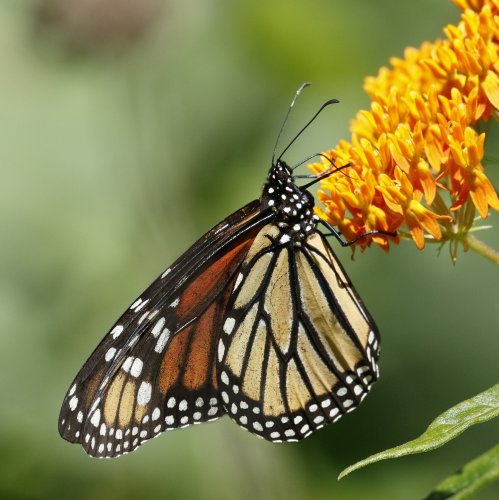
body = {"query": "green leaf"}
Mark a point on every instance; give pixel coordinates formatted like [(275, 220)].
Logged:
[(478, 409), (473, 475)]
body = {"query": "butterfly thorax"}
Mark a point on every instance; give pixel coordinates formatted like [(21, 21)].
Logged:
[(293, 206)]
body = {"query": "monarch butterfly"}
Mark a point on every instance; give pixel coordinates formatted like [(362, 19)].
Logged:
[(257, 320)]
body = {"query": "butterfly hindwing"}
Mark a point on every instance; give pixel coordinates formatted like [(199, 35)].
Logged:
[(298, 349), (155, 369)]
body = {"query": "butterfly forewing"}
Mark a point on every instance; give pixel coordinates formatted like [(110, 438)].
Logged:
[(257, 319), (155, 369), (298, 349)]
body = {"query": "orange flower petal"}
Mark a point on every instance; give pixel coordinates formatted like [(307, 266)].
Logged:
[(491, 87)]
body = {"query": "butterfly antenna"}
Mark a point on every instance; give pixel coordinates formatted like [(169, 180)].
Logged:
[(325, 105), (298, 92)]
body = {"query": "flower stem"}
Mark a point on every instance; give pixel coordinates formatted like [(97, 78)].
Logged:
[(483, 249)]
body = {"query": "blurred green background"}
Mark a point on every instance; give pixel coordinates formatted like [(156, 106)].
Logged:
[(127, 129)]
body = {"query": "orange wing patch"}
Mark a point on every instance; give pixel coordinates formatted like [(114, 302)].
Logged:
[(210, 282), (173, 360)]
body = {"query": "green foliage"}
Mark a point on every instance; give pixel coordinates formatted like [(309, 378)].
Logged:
[(444, 428), (474, 475)]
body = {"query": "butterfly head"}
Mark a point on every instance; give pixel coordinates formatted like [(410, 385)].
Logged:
[(293, 206)]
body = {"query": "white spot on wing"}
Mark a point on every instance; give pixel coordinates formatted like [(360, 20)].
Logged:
[(116, 331), (168, 271), (162, 340), (140, 305), (158, 327), (110, 353), (143, 317), (144, 393), (136, 303), (127, 364), (221, 350), (95, 418), (229, 325), (73, 402), (362, 369), (136, 368)]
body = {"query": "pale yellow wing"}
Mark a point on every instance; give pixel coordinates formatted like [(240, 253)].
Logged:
[(298, 348)]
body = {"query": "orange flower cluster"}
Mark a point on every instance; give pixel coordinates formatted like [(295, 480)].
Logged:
[(416, 155)]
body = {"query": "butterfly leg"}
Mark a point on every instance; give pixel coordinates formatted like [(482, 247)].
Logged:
[(334, 232), (313, 176)]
